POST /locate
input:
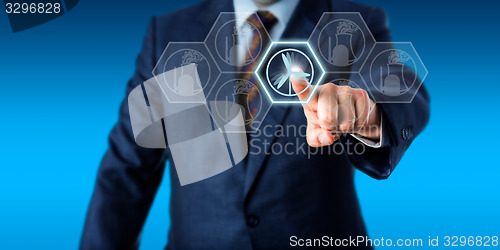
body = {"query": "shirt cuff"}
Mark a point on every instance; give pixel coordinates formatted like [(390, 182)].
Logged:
[(372, 143)]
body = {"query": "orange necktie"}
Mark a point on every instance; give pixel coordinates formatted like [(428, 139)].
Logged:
[(259, 43)]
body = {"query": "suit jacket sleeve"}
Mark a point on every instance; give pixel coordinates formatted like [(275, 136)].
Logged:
[(402, 121), (128, 177)]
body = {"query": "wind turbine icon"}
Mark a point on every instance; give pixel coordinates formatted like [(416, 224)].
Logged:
[(281, 78)]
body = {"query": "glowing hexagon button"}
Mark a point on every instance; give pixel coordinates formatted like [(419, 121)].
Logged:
[(276, 68), (343, 41)]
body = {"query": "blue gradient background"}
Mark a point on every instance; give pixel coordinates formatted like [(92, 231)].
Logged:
[(62, 82)]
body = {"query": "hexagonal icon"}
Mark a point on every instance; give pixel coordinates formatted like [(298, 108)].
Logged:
[(393, 72), (230, 40), (342, 41), (185, 70), (232, 89), (276, 68)]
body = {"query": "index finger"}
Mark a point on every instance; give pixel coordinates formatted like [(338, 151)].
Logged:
[(302, 87)]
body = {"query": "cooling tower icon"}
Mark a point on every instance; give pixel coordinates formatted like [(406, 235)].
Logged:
[(394, 80), (200, 146)]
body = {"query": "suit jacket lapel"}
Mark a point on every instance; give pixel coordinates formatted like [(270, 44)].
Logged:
[(301, 25)]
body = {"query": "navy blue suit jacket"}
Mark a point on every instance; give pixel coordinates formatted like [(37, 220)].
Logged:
[(263, 200)]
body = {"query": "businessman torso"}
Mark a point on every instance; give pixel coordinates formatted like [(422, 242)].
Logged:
[(277, 192), (284, 188)]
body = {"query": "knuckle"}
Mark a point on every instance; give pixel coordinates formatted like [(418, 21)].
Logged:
[(347, 126), (360, 93), (327, 120), (328, 87), (343, 89)]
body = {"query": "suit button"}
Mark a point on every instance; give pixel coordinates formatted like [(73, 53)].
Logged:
[(405, 134), (252, 220), (279, 132)]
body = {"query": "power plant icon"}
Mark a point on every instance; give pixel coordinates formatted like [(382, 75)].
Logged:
[(342, 53), (239, 43), (391, 84)]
